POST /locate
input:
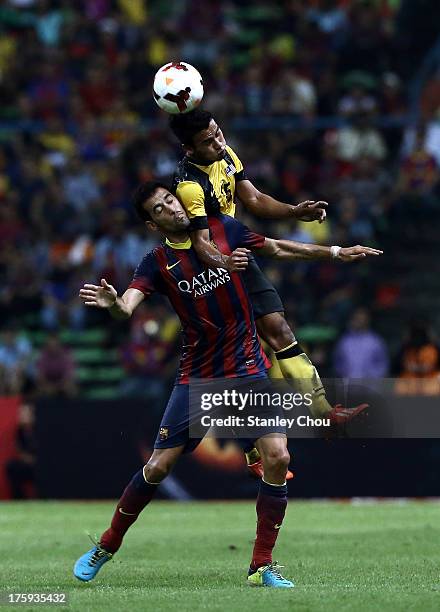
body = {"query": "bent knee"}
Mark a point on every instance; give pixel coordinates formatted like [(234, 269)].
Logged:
[(275, 330), (156, 470), (283, 460), (278, 459)]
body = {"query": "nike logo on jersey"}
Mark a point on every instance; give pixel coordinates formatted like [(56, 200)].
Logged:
[(172, 266), (276, 526)]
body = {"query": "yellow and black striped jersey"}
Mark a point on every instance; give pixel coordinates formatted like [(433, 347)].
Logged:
[(207, 190)]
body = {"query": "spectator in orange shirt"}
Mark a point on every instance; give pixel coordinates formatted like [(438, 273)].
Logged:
[(418, 363)]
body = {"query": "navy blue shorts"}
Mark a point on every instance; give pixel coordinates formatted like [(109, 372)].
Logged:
[(262, 294), (174, 428)]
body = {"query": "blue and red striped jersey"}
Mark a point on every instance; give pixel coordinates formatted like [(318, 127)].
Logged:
[(219, 335)]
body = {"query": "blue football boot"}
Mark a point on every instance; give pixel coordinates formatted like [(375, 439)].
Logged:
[(269, 576), (90, 563)]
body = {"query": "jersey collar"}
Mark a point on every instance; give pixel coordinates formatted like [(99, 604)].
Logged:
[(179, 245), (199, 162)]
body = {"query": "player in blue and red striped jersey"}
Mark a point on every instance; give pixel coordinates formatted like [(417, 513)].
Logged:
[(219, 334), (219, 341)]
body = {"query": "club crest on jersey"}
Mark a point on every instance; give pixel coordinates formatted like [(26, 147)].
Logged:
[(230, 170), (163, 433), (204, 282)]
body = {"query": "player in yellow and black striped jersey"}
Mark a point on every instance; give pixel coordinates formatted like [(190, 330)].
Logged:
[(207, 181), (208, 189)]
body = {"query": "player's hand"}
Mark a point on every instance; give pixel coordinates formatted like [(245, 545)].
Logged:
[(309, 210), (100, 296), (357, 252), (238, 260)]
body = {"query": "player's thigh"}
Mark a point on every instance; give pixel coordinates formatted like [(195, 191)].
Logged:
[(273, 449), (275, 330)]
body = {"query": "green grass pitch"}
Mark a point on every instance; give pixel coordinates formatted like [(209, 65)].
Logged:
[(194, 556)]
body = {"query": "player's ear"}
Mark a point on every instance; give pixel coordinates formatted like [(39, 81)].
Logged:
[(152, 226), (188, 149)]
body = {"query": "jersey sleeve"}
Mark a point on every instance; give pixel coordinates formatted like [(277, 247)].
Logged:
[(241, 236), (144, 276), (240, 174), (192, 198)]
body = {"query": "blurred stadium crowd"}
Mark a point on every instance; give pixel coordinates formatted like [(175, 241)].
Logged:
[(315, 97)]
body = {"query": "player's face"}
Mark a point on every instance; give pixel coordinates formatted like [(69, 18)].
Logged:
[(209, 144), (166, 211)]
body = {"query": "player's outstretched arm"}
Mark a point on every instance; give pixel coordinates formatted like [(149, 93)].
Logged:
[(263, 205), (106, 296), (289, 249)]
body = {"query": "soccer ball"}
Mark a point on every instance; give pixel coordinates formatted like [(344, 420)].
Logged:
[(177, 88)]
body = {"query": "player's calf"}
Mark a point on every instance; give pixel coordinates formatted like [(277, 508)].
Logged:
[(137, 495), (271, 507)]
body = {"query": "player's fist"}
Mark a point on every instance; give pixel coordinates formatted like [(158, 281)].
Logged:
[(309, 210), (238, 260), (357, 252), (100, 296)]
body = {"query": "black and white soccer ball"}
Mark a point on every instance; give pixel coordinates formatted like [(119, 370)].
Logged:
[(177, 88)]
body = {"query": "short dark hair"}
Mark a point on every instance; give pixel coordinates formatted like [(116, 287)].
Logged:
[(141, 195), (187, 125)]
